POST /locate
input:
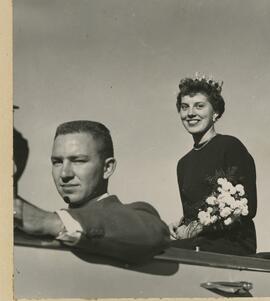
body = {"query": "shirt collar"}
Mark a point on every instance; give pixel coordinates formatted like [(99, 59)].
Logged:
[(104, 195)]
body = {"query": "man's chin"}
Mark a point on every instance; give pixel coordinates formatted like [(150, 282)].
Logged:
[(73, 202), (67, 199), (76, 200)]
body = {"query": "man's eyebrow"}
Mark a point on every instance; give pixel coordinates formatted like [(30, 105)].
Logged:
[(55, 157), (70, 157), (78, 156)]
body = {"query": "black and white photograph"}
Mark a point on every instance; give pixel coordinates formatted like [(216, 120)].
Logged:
[(141, 152)]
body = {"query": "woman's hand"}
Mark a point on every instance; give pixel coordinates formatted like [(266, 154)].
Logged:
[(193, 229), (183, 231), (173, 229)]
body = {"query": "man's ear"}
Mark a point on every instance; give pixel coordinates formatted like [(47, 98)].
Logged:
[(109, 167)]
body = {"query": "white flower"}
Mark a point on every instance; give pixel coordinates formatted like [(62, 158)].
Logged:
[(221, 205), (240, 189), (224, 194), (220, 190), (229, 200), (237, 212), (210, 209), (245, 211), (244, 201), (204, 218), (213, 219), (234, 205), (225, 212), (211, 200), (227, 186), (203, 215), (232, 190), (227, 221), (220, 181), (207, 222), (238, 204)]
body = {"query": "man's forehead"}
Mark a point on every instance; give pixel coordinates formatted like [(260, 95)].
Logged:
[(80, 140), (68, 136)]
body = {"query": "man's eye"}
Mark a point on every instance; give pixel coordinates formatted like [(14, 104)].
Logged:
[(56, 163), (184, 107), (79, 161)]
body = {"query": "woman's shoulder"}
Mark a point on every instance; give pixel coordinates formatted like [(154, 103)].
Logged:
[(182, 160), (229, 142), (233, 147)]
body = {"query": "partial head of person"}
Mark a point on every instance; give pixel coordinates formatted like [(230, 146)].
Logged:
[(199, 103), (82, 160), (20, 157)]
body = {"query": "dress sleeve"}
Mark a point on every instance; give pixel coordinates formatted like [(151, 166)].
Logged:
[(238, 158)]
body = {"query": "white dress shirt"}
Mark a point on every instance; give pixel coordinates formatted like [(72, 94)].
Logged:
[(73, 230)]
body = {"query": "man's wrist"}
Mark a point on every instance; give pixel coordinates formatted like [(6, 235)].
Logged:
[(52, 224), (72, 228)]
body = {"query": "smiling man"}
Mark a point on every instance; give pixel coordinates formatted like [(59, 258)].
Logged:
[(95, 222)]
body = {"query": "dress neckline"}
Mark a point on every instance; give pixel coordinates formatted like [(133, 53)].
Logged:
[(203, 145)]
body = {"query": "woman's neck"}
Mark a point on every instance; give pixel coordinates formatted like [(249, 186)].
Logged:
[(202, 138)]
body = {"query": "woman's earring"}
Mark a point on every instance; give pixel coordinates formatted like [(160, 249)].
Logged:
[(215, 117)]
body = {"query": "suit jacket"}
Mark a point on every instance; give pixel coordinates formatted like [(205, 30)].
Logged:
[(131, 232)]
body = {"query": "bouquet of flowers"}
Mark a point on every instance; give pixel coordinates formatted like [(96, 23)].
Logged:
[(224, 206), (220, 210)]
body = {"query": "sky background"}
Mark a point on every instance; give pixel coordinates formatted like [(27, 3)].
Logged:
[(119, 62)]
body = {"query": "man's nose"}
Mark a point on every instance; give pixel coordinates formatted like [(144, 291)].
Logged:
[(67, 172)]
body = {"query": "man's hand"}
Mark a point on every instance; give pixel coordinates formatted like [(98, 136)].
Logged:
[(17, 212), (34, 220)]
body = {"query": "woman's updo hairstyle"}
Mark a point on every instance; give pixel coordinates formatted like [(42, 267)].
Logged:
[(208, 87)]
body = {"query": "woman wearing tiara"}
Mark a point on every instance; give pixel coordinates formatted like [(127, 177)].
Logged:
[(217, 178)]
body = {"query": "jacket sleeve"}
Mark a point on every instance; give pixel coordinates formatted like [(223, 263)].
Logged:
[(130, 233)]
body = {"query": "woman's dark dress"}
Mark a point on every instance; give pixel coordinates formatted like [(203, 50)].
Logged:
[(223, 152)]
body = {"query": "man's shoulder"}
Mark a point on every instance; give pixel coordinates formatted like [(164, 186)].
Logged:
[(109, 200), (113, 203), (143, 206), (113, 200)]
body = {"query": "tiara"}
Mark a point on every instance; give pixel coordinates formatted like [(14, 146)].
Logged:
[(205, 79)]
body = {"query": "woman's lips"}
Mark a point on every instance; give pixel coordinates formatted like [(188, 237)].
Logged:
[(193, 121)]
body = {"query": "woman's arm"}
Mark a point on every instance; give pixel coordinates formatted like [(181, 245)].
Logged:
[(237, 156)]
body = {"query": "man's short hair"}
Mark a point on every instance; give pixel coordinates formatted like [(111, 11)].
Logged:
[(97, 130)]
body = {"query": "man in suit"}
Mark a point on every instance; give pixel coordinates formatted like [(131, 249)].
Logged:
[(95, 222)]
